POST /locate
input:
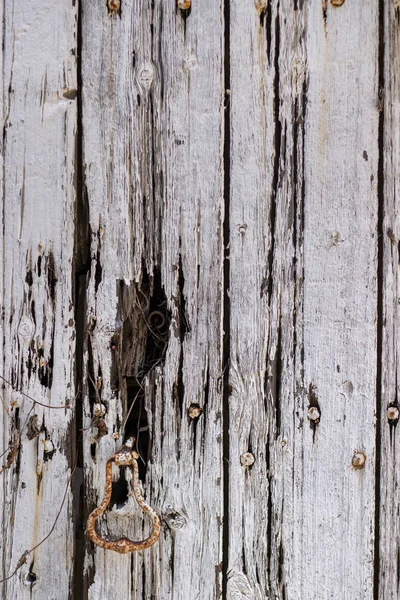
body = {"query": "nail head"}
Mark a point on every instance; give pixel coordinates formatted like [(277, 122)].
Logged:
[(358, 460), (392, 413), (247, 459), (314, 414)]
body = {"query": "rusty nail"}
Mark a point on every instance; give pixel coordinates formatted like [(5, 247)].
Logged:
[(113, 5), (99, 410), (337, 2), (184, 4), (48, 446), (358, 460), (313, 414), (247, 459), (392, 413), (116, 436), (194, 411), (260, 5)]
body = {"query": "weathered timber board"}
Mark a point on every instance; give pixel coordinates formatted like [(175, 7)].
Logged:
[(37, 237), (388, 535), (303, 297), (152, 148)]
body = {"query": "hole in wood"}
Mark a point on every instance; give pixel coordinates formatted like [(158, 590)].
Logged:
[(120, 491)]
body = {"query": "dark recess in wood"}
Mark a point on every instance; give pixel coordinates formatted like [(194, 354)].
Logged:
[(226, 350), (380, 278)]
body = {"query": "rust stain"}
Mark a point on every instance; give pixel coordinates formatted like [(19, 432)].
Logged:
[(113, 5), (359, 459), (194, 411), (126, 456)]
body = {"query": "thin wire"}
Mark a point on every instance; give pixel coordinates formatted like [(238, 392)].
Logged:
[(25, 555), (33, 399)]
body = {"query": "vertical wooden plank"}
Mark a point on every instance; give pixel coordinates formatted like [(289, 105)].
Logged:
[(152, 139), (389, 538), (304, 139), (254, 162), (340, 304), (37, 237)]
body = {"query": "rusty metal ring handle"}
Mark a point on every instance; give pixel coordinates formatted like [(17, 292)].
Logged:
[(124, 457)]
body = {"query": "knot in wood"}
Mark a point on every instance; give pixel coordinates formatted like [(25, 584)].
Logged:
[(26, 328), (145, 76), (174, 519), (191, 63)]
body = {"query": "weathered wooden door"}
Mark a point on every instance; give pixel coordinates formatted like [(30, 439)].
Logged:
[(200, 249)]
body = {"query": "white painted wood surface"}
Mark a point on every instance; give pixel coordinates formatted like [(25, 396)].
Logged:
[(152, 92), (37, 237), (389, 525), (162, 141)]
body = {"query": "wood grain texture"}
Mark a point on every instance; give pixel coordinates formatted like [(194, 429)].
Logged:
[(340, 304), (388, 508), (304, 135), (37, 237), (199, 225), (152, 140)]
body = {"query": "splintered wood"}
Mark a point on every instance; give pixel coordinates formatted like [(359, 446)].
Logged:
[(200, 245)]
